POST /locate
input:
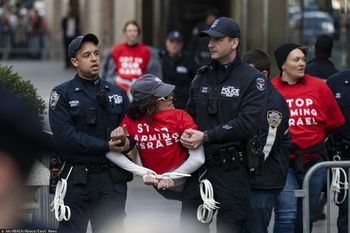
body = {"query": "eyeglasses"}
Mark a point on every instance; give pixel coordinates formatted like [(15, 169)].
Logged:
[(167, 98)]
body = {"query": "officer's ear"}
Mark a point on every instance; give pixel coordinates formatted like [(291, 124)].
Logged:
[(235, 43), (74, 61)]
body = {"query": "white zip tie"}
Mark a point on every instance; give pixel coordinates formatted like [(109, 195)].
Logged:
[(337, 185), (62, 212), (205, 211)]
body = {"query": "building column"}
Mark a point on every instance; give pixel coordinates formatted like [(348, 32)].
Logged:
[(54, 12), (123, 12)]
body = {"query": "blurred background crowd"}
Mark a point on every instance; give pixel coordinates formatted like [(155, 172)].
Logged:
[(36, 29)]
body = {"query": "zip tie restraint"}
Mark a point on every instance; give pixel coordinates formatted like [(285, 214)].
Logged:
[(205, 211), (62, 212)]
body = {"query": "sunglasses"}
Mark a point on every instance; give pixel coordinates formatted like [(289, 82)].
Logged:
[(167, 98)]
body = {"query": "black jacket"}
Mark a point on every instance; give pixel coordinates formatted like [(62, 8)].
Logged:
[(179, 71), (320, 68), (70, 107), (276, 142), (228, 102), (340, 86)]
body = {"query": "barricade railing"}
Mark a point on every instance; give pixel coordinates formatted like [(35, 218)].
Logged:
[(304, 192), (16, 45)]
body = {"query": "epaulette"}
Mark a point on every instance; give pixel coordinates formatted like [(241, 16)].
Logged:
[(200, 71)]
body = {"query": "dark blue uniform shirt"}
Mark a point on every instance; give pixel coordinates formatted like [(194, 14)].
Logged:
[(340, 86), (276, 141), (229, 102), (71, 106)]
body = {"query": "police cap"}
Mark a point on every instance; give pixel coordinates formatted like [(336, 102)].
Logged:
[(222, 27), (76, 43)]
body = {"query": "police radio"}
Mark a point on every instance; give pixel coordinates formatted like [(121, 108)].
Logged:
[(55, 167), (254, 154), (212, 106)]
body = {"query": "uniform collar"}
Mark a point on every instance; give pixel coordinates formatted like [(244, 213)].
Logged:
[(214, 65), (79, 86)]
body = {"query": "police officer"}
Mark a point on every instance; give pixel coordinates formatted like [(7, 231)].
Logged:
[(178, 66), (269, 178), (227, 101), (198, 45), (339, 83), (83, 112)]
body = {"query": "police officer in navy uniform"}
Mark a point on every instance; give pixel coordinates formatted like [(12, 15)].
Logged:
[(178, 67), (227, 101), (269, 178), (198, 45), (339, 83), (83, 112)]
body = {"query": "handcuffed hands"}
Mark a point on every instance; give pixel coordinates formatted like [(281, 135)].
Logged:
[(158, 181), (165, 183), (150, 179)]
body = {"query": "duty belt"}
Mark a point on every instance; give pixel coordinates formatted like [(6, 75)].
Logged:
[(227, 158), (93, 167)]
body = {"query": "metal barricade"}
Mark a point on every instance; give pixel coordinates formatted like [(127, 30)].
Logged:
[(21, 44), (304, 192)]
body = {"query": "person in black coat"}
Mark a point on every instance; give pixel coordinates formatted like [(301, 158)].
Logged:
[(321, 66), (178, 67), (340, 86)]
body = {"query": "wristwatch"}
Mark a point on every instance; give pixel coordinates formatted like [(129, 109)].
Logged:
[(205, 137)]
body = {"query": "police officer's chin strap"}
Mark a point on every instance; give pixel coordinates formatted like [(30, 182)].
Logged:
[(336, 184), (62, 212), (206, 211)]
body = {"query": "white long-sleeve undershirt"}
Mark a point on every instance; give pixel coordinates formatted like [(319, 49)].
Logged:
[(192, 163)]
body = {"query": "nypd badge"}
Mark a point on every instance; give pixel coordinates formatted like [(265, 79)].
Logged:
[(274, 118), (215, 24), (54, 97), (260, 84)]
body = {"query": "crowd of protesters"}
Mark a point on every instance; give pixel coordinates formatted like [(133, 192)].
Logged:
[(22, 33)]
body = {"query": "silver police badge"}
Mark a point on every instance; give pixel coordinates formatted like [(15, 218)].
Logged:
[(274, 118), (54, 97), (215, 24)]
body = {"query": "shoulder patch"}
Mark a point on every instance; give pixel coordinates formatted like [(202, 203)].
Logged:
[(54, 97), (260, 84), (274, 118)]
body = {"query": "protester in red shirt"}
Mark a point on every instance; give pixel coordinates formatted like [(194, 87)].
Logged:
[(130, 57), (313, 113), (156, 126)]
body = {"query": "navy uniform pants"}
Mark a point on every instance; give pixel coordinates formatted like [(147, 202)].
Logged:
[(96, 198), (231, 190)]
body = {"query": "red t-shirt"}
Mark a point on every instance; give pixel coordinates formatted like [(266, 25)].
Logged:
[(158, 141), (313, 110), (131, 62)]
